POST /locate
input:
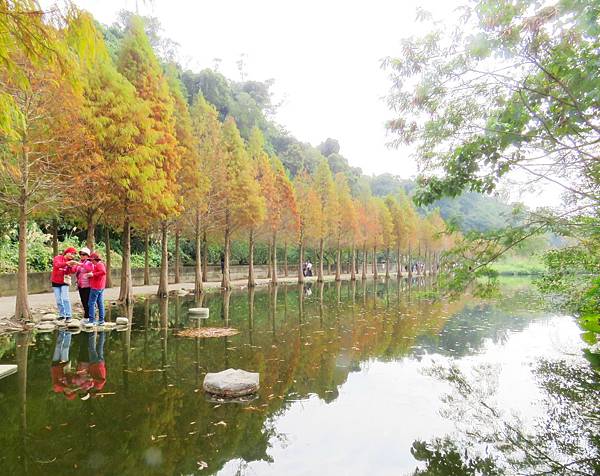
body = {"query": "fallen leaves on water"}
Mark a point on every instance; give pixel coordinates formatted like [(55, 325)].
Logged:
[(220, 423), (208, 332), (202, 465)]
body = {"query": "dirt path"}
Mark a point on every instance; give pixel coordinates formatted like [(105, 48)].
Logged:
[(45, 302)]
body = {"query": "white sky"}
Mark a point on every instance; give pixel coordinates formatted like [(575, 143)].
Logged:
[(324, 56)]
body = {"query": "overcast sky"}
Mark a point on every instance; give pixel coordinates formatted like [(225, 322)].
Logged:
[(323, 55)]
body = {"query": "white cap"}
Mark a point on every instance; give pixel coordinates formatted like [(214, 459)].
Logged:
[(85, 250)]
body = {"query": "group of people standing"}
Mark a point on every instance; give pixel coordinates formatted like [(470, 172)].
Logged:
[(90, 273)]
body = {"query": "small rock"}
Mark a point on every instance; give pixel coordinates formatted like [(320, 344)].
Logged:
[(231, 383), (122, 321), (49, 317), (198, 312)]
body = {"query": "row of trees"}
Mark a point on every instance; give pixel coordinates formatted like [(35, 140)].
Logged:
[(112, 138), (503, 92)]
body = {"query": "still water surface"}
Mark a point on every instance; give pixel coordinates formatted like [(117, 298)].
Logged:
[(355, 379)]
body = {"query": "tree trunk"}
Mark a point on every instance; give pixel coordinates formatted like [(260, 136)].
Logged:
[(269, 261), (225, 283), (274, 259), (338, 263), (54, 237), (364, 263), (353, 263), (198, 287), (163, 283), (285, 259), (399, 260), (375, 275), (321, 252), (22, 299), (387, 263), (90, 240), (126, 293), (205, 261), (251, 278), (409, 262), (146, 259), (177, 257), (301, 258), (108, 260)]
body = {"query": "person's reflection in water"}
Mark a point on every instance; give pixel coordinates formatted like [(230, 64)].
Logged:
[(308, 289), (97, 366), (60, 362), (90, 375)]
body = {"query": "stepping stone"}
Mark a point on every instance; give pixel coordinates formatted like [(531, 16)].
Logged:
[(198, 312), (231, 383), (45, 327), (182, 292), (6, 370), (74, 324), (49, 317), (110, 325), (122, 321)]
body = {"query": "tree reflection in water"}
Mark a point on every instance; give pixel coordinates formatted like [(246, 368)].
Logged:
[(565, 440)]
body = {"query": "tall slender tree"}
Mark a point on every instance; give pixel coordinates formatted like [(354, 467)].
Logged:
[(161, 159)]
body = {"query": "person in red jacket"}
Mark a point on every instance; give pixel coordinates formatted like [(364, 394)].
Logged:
[(97, 285), (62, 268)]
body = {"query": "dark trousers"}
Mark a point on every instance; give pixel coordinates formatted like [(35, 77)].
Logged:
[(84, 294)]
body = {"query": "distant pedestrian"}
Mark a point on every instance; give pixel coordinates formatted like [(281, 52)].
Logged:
[(309, 268), (63, 266), (97, 285), (222, 263), (84, 267)]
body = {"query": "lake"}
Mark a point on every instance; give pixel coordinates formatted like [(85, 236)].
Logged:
[(356, 378)]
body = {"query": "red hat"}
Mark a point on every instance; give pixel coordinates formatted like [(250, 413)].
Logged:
[(70, 250), (94, 256)]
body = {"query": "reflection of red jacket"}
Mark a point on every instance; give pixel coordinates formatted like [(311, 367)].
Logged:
[(98, 373), (59, 382), (98, 280), (59, 269)]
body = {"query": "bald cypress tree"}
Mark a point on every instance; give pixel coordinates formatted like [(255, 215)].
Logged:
[(138, 63)]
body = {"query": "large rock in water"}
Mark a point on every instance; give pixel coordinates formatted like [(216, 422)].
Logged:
[(231, 383)]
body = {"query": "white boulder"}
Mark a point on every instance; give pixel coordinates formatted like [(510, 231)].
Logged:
[(231, 383)]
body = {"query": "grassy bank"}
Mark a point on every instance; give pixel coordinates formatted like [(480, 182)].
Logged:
[(519, 265)]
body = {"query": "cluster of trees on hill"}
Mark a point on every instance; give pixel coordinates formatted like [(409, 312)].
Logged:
[(95, 127)]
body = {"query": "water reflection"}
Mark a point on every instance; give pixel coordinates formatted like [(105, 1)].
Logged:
[(87, 376), (332, 357)]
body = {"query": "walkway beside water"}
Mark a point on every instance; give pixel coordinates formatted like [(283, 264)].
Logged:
[(45, 302)]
